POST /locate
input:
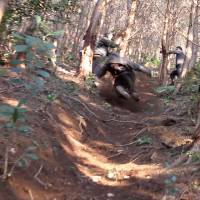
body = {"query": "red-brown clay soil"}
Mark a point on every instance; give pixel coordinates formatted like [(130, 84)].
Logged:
[(89, 149)]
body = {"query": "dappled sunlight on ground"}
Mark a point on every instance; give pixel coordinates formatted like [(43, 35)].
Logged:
[(83, 156), (9, 101), (88, 159)]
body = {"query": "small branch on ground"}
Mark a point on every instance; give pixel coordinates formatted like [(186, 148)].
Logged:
[(31, 195), (136, 135), (5, 172), (123, 121), (38, 179), (137, 156), (128, 144), (38, 172), (115, 155)]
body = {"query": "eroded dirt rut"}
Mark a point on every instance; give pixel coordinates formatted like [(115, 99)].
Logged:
[(102, 148)]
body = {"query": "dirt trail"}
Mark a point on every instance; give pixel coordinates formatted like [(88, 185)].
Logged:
[(92, 150)]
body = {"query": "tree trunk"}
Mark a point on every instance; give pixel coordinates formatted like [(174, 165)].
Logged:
[(195, 39), (190, 37), (106, 18), (165, 46), (3, 4), (128, 31), (90, 39)]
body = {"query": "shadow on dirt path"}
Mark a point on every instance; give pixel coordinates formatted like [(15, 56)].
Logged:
[(89, 151)]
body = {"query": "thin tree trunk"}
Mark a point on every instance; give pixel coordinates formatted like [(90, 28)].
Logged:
[(90, 39), (105, 20), (165, 46), (77, 35), (190, 37), (195, 39), (128, 31)]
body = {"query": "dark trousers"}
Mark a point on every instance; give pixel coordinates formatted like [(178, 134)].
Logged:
[(176, 73), (126, 80)]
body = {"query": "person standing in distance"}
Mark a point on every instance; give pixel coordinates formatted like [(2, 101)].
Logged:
[(180, 57)]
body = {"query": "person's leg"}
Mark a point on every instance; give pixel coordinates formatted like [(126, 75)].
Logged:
[(121, 85), (178, 69), (125, 85), (173, 75), (99, 66)]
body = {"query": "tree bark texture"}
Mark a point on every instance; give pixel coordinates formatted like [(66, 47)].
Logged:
[(129, 29), (90, 39), (165, 46), (195, 38), (190, 38)]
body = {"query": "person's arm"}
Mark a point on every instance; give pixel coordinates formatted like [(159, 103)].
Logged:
[(140, 68), (102, 72), (173, 52), (103, 69), (169, 52), (109, 43)]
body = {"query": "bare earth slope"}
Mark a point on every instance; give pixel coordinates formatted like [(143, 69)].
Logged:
[(97, 147)]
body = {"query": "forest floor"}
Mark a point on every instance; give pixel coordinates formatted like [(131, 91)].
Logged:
[(95, 146)]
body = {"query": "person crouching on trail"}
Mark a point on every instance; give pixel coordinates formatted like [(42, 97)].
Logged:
[(101, 53)]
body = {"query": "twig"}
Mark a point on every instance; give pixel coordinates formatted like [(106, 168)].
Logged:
[(138, 133), (128, 144), (38, 179), (115, 155), (137, 155), (122, 121), (30, 194), (5, 172), (38, 172)]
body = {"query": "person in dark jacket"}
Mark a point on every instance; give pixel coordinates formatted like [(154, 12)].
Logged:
[(101, 53), (121, 69), (123, 72), (179, 63)]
